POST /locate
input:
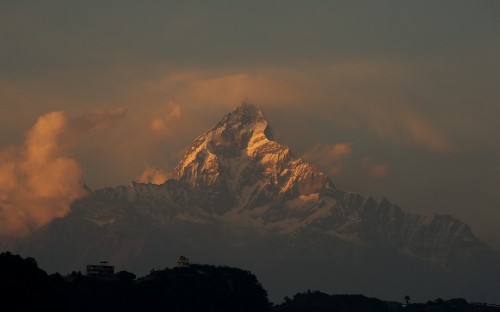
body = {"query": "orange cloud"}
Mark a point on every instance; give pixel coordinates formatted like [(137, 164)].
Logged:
[(38, 182), (233, 89), (358, 95), (376, 170), (330, 157), (214, 88), (165, 116), (153, 175)]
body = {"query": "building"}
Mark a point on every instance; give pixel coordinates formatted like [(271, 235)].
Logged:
[(183, 262), (101, 271)]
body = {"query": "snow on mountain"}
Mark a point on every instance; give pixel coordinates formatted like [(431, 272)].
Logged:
[(255, 181)]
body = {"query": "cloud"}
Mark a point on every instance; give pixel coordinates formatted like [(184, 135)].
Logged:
[(401, 125), (329, 157), (230, 90), (97, 120), (38, 182), (428, 135), (211, 87), (165, 116), (169, 106), (354, 94), (153, 175), (376, 170), (365, 95)]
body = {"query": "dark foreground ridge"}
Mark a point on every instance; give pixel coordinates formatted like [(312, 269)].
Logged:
[(321, 302), (25, 287)]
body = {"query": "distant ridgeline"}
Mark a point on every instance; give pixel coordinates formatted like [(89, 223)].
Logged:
[(188, 287)]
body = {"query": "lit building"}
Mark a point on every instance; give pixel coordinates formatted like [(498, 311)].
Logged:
[(101, 271), (183, 262)]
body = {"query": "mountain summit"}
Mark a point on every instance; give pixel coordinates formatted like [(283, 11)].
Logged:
[(240, 198), (241, 165)]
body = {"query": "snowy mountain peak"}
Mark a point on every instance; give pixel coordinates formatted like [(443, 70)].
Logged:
[(242, 130), (245, 113), (240, 161)]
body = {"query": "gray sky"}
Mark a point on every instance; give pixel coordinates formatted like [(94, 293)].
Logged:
[(401, 98)]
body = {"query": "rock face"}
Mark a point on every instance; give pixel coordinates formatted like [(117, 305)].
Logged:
[(240, 198)]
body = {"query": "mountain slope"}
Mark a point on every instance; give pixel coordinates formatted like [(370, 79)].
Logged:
[(240, 198)]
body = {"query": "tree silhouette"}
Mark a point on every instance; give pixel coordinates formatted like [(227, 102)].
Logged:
[(124, 276), (407, 299)]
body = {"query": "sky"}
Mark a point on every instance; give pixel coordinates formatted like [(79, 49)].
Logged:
[(389, 98)]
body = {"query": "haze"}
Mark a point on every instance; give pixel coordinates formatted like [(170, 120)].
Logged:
[(395, 99)]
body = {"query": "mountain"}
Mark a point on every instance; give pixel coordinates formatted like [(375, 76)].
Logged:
[(240, 198)]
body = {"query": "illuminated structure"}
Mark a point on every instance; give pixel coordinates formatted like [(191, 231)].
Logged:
[(183, 262), (101, 271)]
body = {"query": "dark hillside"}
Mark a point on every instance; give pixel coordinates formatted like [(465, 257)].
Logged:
[(25, 287)]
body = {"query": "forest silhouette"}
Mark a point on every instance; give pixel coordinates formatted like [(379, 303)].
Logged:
[(26, 287)]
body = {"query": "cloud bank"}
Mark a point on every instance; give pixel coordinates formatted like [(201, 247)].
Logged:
[(38, 182)]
